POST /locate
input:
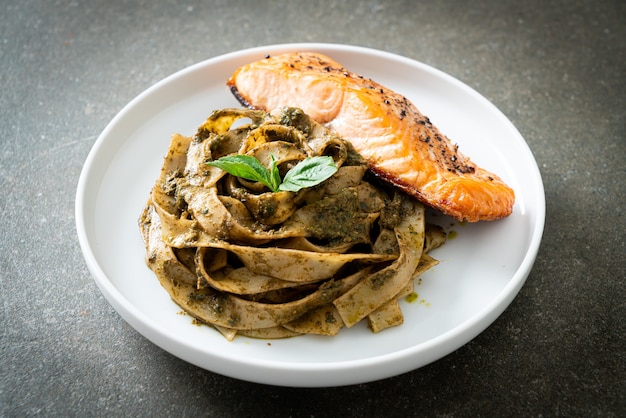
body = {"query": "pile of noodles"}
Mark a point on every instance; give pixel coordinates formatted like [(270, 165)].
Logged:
[(265, 264)]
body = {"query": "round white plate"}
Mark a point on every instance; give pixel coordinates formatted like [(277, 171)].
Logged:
[(482, 269)]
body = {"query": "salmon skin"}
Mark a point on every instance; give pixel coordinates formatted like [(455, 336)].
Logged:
[(401, 145)]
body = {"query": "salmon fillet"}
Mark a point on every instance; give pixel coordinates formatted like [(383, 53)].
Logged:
[(401, 145)]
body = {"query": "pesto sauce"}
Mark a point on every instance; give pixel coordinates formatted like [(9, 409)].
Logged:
[(411, 297)]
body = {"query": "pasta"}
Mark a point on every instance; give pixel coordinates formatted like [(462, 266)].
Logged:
[(266, 264)]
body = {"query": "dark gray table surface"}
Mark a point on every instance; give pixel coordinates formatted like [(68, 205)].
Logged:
[(555, 68)]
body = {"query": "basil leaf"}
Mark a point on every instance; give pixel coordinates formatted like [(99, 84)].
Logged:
[(247, 167), (308, 173), (274, 174)]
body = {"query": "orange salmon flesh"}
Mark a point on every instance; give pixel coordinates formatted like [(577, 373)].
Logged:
[(401, 145)]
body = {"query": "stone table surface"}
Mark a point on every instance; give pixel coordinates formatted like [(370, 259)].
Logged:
[(556, 69)]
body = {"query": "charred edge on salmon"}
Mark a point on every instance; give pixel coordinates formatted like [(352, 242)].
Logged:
[(240, 98), (385, 179)]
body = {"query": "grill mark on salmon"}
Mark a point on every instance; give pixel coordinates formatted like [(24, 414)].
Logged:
[(401, 144)]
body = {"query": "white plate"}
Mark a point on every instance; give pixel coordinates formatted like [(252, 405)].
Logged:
[(481, 270)]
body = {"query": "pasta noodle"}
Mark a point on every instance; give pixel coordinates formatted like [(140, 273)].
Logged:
[(265, 264)]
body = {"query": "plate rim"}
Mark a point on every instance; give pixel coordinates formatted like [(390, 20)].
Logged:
[(454, 338)]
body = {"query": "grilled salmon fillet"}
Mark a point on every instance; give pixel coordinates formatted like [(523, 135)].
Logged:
[(401, 145)]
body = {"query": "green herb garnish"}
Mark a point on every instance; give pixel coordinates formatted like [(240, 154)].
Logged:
[(307, 173)]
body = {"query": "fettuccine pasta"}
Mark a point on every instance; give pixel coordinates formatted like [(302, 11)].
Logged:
[(264, 264)]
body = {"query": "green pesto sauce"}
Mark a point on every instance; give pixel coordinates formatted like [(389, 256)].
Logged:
[(414, 297), (411, 297)]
